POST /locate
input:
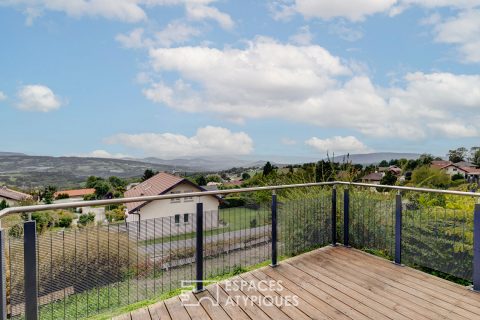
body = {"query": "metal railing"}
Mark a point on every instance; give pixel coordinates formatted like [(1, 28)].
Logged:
[(284, 236)]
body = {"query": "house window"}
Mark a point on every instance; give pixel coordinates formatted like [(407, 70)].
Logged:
[(177, 219), (185, 218), (188, 199), (175, 200)]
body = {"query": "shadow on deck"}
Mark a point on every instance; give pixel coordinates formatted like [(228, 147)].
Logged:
[(329, 283)]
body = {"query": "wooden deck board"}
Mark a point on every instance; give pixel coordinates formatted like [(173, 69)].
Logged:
[(329, 283)]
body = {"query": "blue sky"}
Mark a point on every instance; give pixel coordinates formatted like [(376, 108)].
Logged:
[(188, 78)]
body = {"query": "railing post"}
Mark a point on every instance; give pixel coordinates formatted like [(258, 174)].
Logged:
[(3, 278), (30, 270), (346, 217), (334, 216), (199, 249), (398, 228), (274, 230), (476, 248)]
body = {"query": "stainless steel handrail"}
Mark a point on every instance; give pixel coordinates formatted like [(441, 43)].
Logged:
[(77, 204)]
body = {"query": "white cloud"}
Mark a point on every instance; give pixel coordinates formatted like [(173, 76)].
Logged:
[(343, 31), (123, 10), (207, 141), (104, 154), (455, 129), (175, 32), (3, 96), (338, 145), (462, 30), (37, 98), (302, 37), (307, 84), (327, 10), (332, 9)]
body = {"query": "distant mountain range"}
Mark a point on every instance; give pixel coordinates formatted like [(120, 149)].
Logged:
[(25, 171)]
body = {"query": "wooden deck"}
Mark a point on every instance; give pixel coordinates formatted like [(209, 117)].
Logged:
[(329, 283)]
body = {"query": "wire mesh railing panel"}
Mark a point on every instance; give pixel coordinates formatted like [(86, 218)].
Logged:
[(236, 238), (372, 221), (15, 272), (438, 235), (304, 224)]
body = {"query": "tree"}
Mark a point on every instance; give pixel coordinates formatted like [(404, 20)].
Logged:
[(428, 176), (383, 163), (201, 181), (148, 174), (92, 181), (48, 193), (476, 156), (389, 179), (457, 155), (3, 204), (117, 183), (425, 159), (245, 176), (102, 189), (267, 169)]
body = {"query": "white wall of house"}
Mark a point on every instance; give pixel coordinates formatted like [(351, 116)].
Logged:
[(68, 200), (452, 170), (10, 202), (181, 206)]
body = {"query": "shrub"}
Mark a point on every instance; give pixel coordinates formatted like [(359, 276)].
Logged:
[(64, 219), (253, 223), (87, 218), (89, 197), (458, 176), (117, 214), (62, 196)]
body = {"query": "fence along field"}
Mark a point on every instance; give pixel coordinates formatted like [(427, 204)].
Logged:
[(87, 271)]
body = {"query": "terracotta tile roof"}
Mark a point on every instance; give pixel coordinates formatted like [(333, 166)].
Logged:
[(75, 192), (156, 185), (471, 170), (441, 163), (13, 195), (374, 176)]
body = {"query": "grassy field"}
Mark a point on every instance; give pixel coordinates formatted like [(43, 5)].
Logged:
[(232, 218)]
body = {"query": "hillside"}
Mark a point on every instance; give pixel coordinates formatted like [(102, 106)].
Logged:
[(26, 172), (375, 158)]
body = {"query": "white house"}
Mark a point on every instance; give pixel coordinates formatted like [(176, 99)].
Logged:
[(12, 197), (178, 215)]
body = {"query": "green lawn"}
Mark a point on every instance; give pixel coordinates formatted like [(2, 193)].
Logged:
[(233, 218)]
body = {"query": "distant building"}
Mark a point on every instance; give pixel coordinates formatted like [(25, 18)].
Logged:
[(73, 195), (12, 197), (180, 211), (373, 178)]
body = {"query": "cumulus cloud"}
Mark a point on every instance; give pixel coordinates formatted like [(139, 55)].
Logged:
[(37, 98), (462, 30), (207, 141), (123, 10), (338, 145), (307, 84), (3, 96), (303, 36)]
